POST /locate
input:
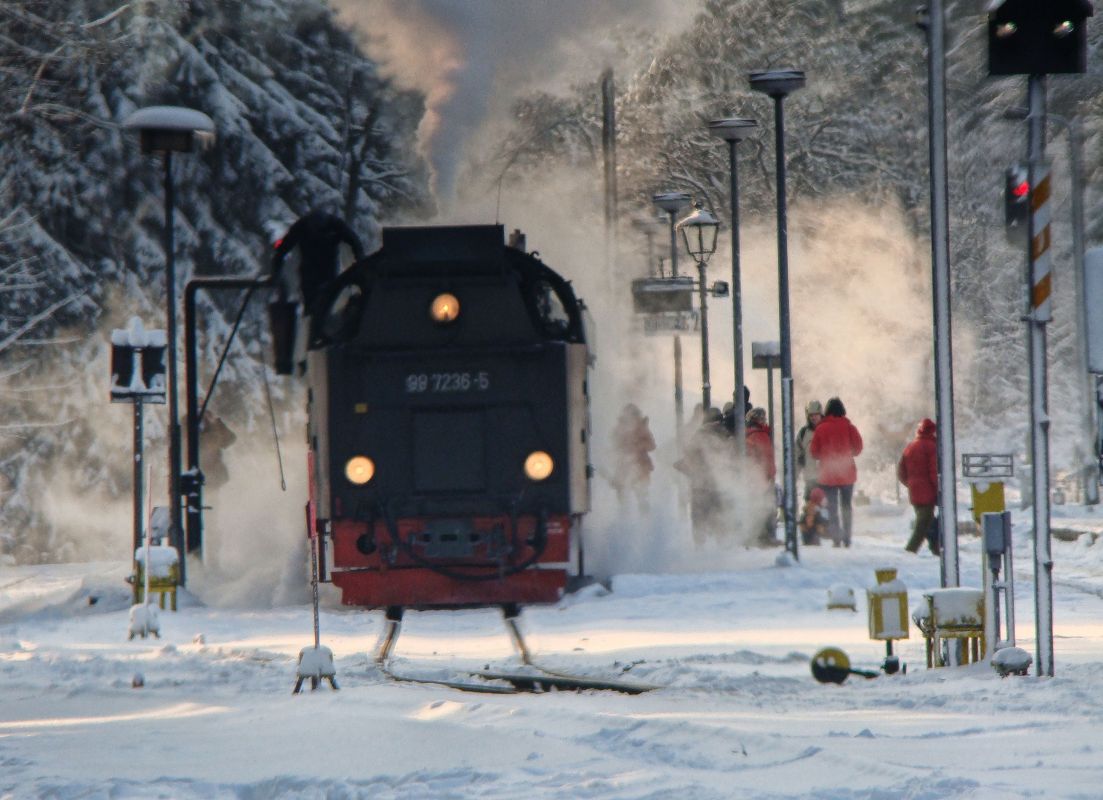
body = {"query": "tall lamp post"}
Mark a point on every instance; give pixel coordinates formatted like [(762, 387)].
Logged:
[(733, 130), (699, 234), (778, 84), (167, 130), (672, 203)]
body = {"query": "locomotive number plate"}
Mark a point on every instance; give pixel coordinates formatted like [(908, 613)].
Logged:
[(447, 382)]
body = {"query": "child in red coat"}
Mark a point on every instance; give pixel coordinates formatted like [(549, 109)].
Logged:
[(814, 518)]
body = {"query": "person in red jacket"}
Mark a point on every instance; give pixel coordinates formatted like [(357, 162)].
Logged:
[(759, 446), (918, 470), (760, 449), (835, 444)]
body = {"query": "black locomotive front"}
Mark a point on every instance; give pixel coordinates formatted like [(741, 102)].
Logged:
[(448, 423)]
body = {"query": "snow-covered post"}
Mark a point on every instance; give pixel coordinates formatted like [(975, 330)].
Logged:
[(165, 130), (314, 662), (137, 377)]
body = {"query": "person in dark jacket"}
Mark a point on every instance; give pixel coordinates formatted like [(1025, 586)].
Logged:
[(214, 437), (632, 447), (318, 235), (835, 443), (918, 470)]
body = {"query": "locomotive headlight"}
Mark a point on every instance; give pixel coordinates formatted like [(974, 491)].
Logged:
[(359, 470), (538, 465), (445, 308)]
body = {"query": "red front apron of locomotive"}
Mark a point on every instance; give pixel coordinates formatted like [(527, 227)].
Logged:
[(389, 576)]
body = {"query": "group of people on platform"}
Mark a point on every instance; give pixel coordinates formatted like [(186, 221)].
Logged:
[(825, 450)]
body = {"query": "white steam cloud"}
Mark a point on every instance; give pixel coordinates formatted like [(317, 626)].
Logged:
[(471, 59), (861, 328)]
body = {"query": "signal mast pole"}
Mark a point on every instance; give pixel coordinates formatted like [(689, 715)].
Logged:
[(1038, 314), (940, 279)]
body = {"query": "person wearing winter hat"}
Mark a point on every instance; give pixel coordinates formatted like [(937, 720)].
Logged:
[(835, 443), (759, 445), (808, 465), (918, 470), (814, 518)]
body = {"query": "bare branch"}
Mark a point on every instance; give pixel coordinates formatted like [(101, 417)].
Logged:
[(37, 318), (107, 17)]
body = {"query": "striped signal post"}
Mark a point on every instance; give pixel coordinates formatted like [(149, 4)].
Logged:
[(1040, 280), (1041, 259)]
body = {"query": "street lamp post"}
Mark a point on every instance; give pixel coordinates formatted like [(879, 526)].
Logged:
[(699, 234), (734, 130), (778, 84), (167, 130), (672, 203)]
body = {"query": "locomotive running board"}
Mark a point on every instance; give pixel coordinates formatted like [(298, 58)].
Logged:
[(534, 680), (463, 686), (540, 680), (530, 678)]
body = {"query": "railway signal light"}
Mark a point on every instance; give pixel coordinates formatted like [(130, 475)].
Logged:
[(1016, 203), (1028, 37)]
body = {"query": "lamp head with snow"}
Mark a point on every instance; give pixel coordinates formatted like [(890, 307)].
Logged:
[(671, 202), (777, 82), (699, 234), (166, 129), (733, 129)]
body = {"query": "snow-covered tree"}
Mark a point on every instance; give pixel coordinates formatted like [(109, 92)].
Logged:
[(303, 120)]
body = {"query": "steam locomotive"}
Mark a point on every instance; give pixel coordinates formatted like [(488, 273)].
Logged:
[(448, 424)]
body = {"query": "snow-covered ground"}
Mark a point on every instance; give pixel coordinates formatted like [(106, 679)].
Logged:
[(738, 713)]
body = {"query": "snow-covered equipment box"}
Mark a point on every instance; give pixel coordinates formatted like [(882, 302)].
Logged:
[(164, 572), (956, 613), (888, 607)]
